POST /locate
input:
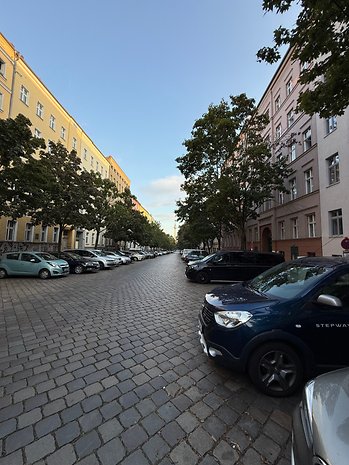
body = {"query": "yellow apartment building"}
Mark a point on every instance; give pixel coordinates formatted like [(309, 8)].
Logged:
[(22, 91)]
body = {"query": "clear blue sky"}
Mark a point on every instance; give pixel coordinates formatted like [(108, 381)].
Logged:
[(136, 74)]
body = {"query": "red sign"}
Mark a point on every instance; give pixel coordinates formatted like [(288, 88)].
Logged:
[(345, 243)]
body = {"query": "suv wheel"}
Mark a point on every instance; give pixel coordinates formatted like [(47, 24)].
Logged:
[(101, 265), (276, 369), (202, 277)]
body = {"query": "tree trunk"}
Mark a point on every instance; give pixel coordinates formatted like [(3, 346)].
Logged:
[(60, 234), (97, 238), (243, 238)]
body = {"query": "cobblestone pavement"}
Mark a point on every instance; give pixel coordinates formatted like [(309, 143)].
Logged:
[(107, 369)]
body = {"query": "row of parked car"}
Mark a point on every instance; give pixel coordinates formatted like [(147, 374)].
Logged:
[(283, 325), (77, 261)]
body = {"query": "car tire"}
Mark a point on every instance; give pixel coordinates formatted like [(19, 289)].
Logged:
[(44, 273), (3, 273), (276, 369), (202, 277), (101, 266), (78, 269)]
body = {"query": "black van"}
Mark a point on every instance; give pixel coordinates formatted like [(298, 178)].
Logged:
[(232, 266)]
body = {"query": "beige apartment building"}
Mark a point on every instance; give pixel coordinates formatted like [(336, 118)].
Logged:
[(311, 219), (22, 91)]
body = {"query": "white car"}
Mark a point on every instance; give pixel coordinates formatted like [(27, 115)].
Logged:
[(122, 259)]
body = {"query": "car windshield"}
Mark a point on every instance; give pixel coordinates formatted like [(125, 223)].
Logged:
[(46, 256), (287, 280), (73, 255)]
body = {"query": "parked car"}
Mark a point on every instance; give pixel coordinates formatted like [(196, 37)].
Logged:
[(320, 422), (136, 255), (121, 259), (283, 325), (77, 264), (231, 266), (104, 261), (195, 255), (41, 264)]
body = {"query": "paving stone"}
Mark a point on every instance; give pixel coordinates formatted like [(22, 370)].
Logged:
[(53, 407), (153, 423), (110, 429), (65, 455), (67, 433), (71, 413), (112, 452), (168, 411), (134, 437), (200, 441), (87, 444), (136, 458), (90, 420), (267, 447), (12, 459), (11, 411), (172, 433), (19, 439), (183, 454), (40, 448), (225, 454), (156, 448), (7, 427)]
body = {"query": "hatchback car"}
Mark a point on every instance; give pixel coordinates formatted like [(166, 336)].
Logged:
[(41, 264), (77, 264), (282, 325), (231, 266), (320, 422)]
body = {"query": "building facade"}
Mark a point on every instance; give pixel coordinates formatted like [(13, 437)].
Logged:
[(311, 218), (22, 91)]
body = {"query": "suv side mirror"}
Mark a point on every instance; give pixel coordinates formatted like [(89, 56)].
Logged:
[(331, 300)]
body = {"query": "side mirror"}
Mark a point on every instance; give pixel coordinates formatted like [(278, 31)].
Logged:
[(330, 300)]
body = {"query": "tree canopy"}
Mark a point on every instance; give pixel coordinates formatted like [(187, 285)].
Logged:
[(228, 169), (320, 41)]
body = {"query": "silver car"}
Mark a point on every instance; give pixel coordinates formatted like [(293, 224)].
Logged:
[(320, 434)]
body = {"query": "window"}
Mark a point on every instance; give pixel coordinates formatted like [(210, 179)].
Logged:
[(281, 198), (63, 133), (293, 151), (24, 95), (307, 139), (293, 189), (331, 124), (97, 166), (55, 234), (37, 133), (52, 122), (311, 225), (278, 131), (290, 118), (28, 232), (102, 171), (304, 66), (336, 222), (333, 169), (74, 143), (308, 177), (87, 238), (2, 67), (40, 110), (256, 235), (282, 230), (43, 237), (1, 101), (277, 103), (294, 223), (289, 87), (85, 154), (91, 160), (11, 230)]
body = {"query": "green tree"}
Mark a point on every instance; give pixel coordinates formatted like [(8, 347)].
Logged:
[(320, 41), (227, 168), (102, 193), (18, 172), (60, 196)]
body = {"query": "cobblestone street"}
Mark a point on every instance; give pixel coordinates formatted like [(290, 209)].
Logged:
[(107, 369)]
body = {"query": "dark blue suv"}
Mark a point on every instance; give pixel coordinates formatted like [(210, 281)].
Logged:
[(286, 324)]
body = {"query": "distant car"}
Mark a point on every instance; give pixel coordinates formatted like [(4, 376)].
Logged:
[(41, 264), (282, 326), (195, 255), (320, 422), (104, 261), (77, 264), (121, 259), (231, 266), (136, 255)]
